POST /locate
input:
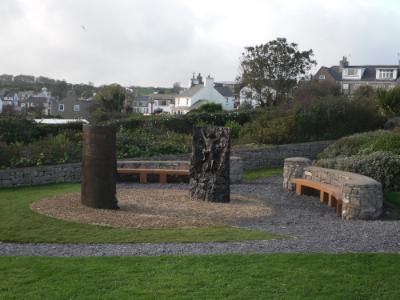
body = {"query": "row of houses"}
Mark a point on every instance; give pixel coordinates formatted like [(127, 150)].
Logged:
[(26, 79), (44, 103), (199, 92), (349, 78)]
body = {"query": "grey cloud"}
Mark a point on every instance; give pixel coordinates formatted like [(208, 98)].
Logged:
[(161, 41)]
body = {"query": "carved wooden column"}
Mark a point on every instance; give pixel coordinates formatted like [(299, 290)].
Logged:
[(209, 171), (99, 167)]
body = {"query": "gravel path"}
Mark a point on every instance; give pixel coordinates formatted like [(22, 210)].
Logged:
[(314, 226)]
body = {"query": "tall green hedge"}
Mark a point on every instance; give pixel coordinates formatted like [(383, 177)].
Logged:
[(382, 166), (183, 123)]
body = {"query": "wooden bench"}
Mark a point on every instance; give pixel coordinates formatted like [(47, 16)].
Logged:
[(161, 172), (327, 193)]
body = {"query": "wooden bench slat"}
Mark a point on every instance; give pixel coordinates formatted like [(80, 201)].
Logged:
[(153, 171), (329, 193), (161, 172)]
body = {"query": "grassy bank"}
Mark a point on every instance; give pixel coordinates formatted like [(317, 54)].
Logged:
[(256, 174)]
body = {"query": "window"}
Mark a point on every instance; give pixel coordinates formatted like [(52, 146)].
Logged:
[(386, 74), (77, 107), (163, 103), (352, 72), (321, 77), (345, 86), (60, 107), (187, 101)]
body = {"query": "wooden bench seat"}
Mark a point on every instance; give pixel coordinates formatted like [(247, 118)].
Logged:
[(328, 193), (161, 172)]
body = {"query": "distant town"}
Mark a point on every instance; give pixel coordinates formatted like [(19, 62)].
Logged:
[(46, 97)]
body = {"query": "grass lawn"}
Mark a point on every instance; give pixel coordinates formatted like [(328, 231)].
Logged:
[(18, 223), (274, 276), (252, 175), (393, 198)]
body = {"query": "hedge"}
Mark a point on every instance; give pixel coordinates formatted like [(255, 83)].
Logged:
[(382, 166)]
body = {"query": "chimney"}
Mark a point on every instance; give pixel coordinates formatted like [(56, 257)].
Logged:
[(344, 63), (209, 81)]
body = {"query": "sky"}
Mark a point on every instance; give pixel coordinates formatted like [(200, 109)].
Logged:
[(159, 42)]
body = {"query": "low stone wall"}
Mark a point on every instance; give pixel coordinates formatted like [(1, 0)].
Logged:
[(72, 172), (268, 157), (274, 156), (263, 157), (40, 175), (362, 196)]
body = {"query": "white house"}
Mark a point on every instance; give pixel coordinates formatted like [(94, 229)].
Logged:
[(162, 103), (249, 96), (200, 94)]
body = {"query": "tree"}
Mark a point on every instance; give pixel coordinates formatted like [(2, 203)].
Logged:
[(309, 91), (110, 98), (271, 70)]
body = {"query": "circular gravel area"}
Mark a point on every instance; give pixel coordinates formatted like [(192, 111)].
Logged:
[(156, 208)]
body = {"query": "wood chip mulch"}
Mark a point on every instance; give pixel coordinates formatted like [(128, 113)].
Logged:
[(155, 208)]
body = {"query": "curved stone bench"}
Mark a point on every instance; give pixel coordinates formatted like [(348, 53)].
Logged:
[(362, 196)]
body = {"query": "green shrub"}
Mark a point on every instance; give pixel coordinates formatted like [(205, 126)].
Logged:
[(334, 117), (390, 100), (381, 166), (234, 129), (143, 143), (275, 131), (210, 108), (15, 129), (182, 123), (328, 118), (59, 149), (364, 143)]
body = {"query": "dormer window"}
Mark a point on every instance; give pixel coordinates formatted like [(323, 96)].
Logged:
[(352, 72), (321, 77), (385, 73)]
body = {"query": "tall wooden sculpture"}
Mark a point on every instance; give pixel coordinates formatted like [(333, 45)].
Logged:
[(209, 171), (99, 167)]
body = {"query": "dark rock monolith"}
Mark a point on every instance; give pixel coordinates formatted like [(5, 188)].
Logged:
[(99, 167), (209, 170)]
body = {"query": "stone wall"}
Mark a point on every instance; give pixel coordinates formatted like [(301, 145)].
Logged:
[(362, 196), (72, 172), (268, 157), (40, 175), (274, 156), (264, 157)]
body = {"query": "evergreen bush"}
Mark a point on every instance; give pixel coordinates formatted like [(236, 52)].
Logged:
[(382, 166)]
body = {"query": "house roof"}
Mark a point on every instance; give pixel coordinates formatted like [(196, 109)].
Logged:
[(60, 121), (224, 91), (163, 97), (193, 90), (368, 75), (335, 72), (37, 100)]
